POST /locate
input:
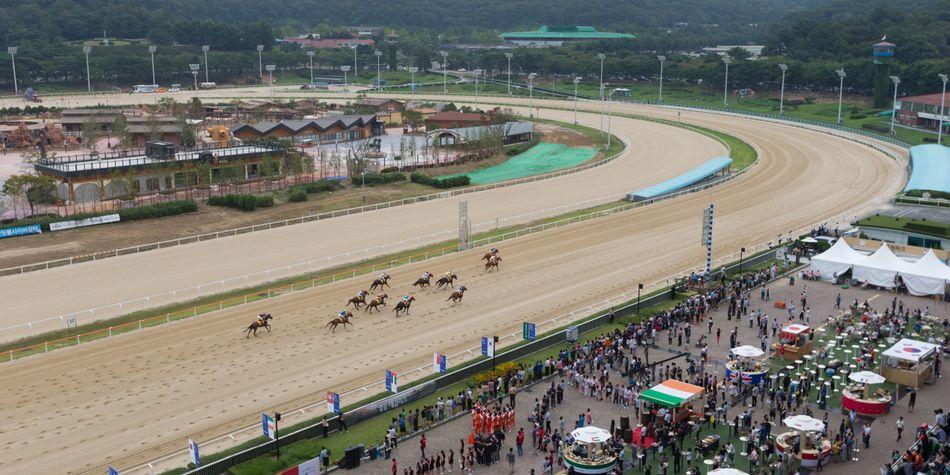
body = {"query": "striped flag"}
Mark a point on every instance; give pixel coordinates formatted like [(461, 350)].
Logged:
[(438, 363), (268, 426), (333, 402), (392, 385), (193, 453)]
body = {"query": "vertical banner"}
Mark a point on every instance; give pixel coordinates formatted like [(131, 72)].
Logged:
[(112, 471), (333, 402), (268, 426), (193, 453), (488, 346), (438, 363), (527, 331), (391, 384)]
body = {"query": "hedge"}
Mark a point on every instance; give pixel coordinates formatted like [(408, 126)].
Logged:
[(322, 186), (503, 370), (242, 202), (448, 182), (158, 210), (876, 127), (373, 179), (297, 196)]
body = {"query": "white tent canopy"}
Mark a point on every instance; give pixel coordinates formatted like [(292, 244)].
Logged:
[(928, 276), (836, 260), (590, 435), (866, 377), (880, 268), (747, 351), (910, 350), (804, 423)]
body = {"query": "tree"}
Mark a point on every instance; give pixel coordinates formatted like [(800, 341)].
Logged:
[(189, 136), (120, 127), (35, 189), (89, 130), (154, 128), (413, 118)]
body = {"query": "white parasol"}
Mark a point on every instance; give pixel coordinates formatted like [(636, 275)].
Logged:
[(866, 377), (726, 471), (590, 435), (747, 351), (804, 423), (810, 240)]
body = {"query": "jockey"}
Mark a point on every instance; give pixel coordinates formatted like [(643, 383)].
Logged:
[(448, 275), (405, 298), (494, 250), (383, 276), (342, 313), (362, 293), (426, 275), (260, 320), (461, 289)]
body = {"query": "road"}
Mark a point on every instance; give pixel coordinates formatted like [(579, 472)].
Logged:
[(130, 399)]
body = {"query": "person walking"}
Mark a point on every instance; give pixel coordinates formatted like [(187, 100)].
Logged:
[(912, 400), (519, 441), (422, 445), (511, 460), (900, 427), (866, 436)]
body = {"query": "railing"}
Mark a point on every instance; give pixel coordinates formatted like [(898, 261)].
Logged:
[(911, 200)]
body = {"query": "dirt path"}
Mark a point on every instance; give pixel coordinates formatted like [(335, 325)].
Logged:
[(129, 399)]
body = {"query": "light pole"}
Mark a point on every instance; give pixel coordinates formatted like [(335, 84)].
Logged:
[(12, 50), (725, 87), (639, 289), (841, 76), (151, 52), (356, 70), (943, 96), (896, 80), (531, 94), (260, 61), (741, 252), (610, 96), (601, 56), (345, 69), (412, 81), (86, 50), (509, 56), (477, 72), (379, 74), (662, 60), (577, 79), (194, 71), (444, 54), (781, 96), (270, 73), (205, 49), (310, 54)]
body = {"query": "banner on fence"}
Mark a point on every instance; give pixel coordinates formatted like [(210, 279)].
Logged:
[(390, 402), (391, 384), (193, 453), (81, 223), (333, 402), (488, 346), (438, 363), (268, 426), (527, 331), (20, 231), (313, 466)]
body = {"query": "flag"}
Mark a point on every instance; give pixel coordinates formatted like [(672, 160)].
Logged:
[(391, 384), (268, 426), (438, 363), (193, 453), (333, 402), (884, 38), (112, 471), (528, 331), (488, 346)]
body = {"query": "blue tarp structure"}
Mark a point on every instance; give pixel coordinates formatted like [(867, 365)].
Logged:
[(930, 168), (691, 177)]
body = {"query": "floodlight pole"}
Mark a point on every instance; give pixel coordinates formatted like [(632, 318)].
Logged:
[(310, 54), (943, 96), (412, 81), (86, 50), (896, 80), (205, 49), (356, 70), (725, 87), (509, 56), (601, 56), (260, 61), (194, 71), (662, 60), (444, 55), (781, 96), (610, 96), (531, 77), (151, 52), (270, 72), (477, 72), (841, 76), (379, 74), (13, 50), (576, 80)]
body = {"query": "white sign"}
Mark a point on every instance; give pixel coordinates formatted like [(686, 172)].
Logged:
[(109, 218), (193, 453), (310, 467)]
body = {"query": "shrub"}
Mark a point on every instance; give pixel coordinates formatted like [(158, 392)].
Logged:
[(876, 127), (297, 196), (265, 201), (241, 202), (374, 179), (503, 370), (858, 115), (323, 185), (158, 210), (447, 182)]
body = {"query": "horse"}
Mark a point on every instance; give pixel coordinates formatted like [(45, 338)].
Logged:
[(343, 320), (446, 281), (261, 322), (489, 254), (403, 305), (492, 263), (360, 299), (381, 281), (457, 295), (376, 302), (423, 282)]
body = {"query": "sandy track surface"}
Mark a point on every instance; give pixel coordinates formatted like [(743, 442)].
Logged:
[(657, 152), (128, 399)]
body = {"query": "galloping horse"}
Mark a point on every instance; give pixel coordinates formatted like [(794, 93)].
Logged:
[(446, 281), (403, 305), (456, 296), (492, 263), (382, 281), (261, 322), (341, 320), (376, 302), (423, 281), (489, 254), (360, 299)]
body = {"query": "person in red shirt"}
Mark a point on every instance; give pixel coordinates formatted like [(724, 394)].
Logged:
[(422, 445), (519, 440), (395, 467)]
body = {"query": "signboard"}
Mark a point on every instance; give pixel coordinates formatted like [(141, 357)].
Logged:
[(193, 453), (268, 426), (333, 402), (20, 231), (71, 321), (310, 467), (392, 384), (527, 331), (390, 402), (488, 346), (438, 363), (80, 223)]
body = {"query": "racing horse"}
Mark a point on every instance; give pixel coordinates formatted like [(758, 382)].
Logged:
[(375, 303), (457, 295), (360, 299), (340, 320), (380, 282), (489, 254), (403, 305), (446, 281), (423, 282), (263, 321), (492, 263)]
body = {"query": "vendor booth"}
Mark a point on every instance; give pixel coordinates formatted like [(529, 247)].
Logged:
[(673, 395), (805, 441), (858, 396), (908, 362), (795, 341), (837, 260), (589, 451), (746, 365)]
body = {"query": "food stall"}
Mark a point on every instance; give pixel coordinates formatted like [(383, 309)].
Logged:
[(909, 362), (804, 442), (671, 394), (745, 366), (859, 397), (795, 341), (589, 451)]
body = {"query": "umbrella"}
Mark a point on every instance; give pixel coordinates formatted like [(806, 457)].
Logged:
[(726, 471), (866, 377), (810, 240), (804, 423), (590, 434), (747, 351)]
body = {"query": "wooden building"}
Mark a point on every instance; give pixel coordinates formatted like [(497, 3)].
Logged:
[(324, 129)]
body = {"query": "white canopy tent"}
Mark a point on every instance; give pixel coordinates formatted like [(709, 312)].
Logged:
[(880, 268), (838, 259), (928, 276)]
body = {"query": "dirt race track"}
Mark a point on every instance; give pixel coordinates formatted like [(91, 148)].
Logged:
[(130, 399)]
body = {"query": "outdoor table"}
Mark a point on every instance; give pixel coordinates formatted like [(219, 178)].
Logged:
[(799, 362), (790, 368)]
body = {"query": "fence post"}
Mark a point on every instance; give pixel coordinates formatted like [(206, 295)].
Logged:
[(110, 331), (77, 340)]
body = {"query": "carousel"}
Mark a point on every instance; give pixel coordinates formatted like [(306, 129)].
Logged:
[(909, 362), (589, 451), (805, 441), (745, 365), (859, 397), (795, 341)]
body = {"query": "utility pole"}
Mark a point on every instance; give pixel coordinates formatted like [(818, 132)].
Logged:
[(531, 94), (310, 54), (841, 76), (610, 96), (412, 81), (356, 70), (444, 55), (577, 79), (725, 88), (205, 49), (943, 97), (151, 52), (781, 100), (477, 72), (509, 56), (260, 61), (379, 74), (662, 60), (601, 56), (896, 80), (12, 50), (344, 69), (194, 71), (86, 50), (270, 73)]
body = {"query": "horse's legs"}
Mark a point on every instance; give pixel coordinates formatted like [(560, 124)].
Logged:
[(267, 327)]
